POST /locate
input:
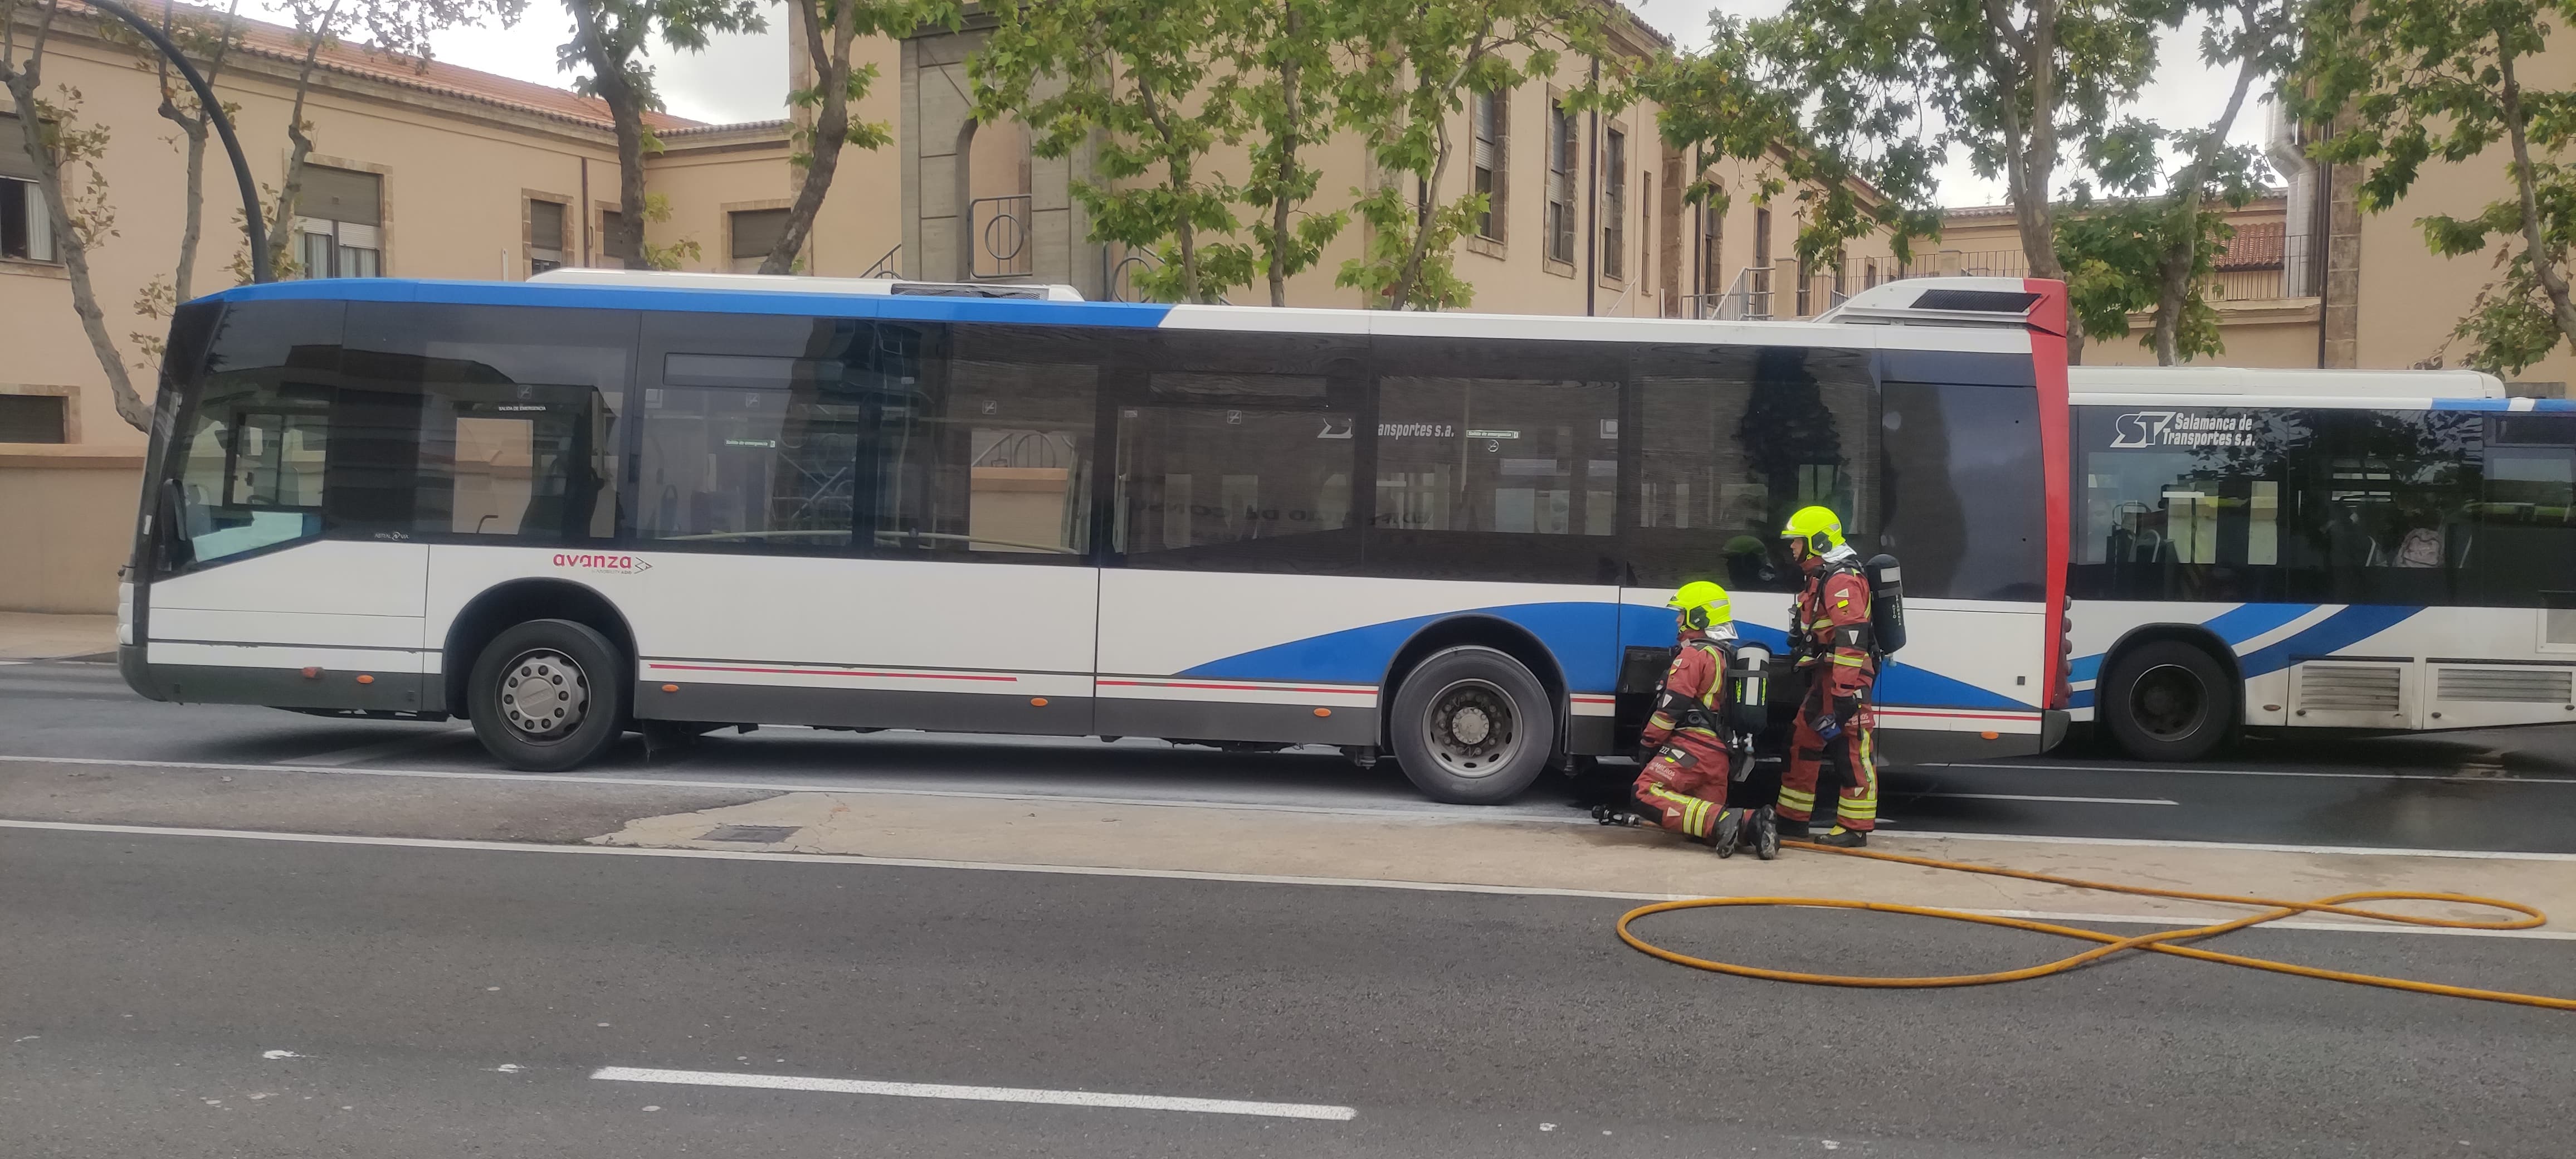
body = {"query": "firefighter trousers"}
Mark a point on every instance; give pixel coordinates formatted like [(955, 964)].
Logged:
[(1850, 753), (1684, 788)]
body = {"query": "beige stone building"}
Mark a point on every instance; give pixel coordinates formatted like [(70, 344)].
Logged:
[(444, 172)]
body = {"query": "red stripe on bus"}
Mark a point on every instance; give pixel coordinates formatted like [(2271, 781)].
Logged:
[(830, 672), (1234, 687), (1960, 715)]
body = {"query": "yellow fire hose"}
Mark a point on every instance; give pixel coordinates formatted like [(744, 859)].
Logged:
[(2164, 942)]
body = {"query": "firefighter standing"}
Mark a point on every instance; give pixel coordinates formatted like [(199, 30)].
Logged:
[(1830, 632), (1688, 763)]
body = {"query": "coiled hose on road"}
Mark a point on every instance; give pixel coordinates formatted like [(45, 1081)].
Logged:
[(2162, 942)]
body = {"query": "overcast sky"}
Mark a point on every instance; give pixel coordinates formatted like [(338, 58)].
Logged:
[(744, 78)]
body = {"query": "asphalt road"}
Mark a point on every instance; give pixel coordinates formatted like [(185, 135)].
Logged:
[(2503, 789), (212, 996)]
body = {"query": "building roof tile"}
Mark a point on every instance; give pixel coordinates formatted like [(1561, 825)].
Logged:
[(278, 42)]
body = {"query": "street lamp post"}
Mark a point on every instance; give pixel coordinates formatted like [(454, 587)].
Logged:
[(253, 224)]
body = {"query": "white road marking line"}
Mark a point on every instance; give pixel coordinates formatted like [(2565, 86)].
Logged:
[(2027, 797), (408, 744), (2171, 769), (2249, 846), (1413, 812), (1197, 874), (784, 1082)]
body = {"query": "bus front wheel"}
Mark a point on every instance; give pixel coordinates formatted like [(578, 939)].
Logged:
[(2167, 701), (1472, 726), (547, 695)]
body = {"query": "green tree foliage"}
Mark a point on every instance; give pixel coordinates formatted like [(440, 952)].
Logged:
[(2411, 81), (1886, 88), (609, 38), (1290, 55), (1731, 101), (1405, 96), (830, 29), (2154, 246), (1146, 83)]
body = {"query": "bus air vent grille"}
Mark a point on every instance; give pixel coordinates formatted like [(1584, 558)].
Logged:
[(2350, 688), (2522, 685)]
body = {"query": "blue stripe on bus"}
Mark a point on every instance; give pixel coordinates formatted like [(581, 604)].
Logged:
[(2326, 637), (909, 307), (1575, 631), (2518, 405), (1571, 630), (2235, 626)]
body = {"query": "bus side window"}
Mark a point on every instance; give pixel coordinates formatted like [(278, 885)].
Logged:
[(1498, 460), (1237, 452), (978, 441), (2523, 553)]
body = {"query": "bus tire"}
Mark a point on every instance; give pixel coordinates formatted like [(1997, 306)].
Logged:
[(547, 695), (1472, 726), (2166, 700)]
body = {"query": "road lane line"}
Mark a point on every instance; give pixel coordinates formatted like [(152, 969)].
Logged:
[(411, 744), (784, 1082), (2027, 797), (862, 860), (2169, 769), (1426, 812)]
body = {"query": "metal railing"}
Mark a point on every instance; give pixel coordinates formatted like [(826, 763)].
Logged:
[(1001, 236), (886, 266)]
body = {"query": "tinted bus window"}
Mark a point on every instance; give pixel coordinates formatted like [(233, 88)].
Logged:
[(980, 441), (2524, 551), (1238, 451), (254, 445), (752, 429), (1497, 460), (1729, 442), (1964, 503), (510, 415), (2330, 506)]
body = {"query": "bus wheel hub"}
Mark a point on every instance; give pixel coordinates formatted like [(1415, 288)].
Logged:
[(1470, 728), (544, 694)]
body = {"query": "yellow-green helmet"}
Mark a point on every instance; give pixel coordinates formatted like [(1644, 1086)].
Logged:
[(1817, 526), (1703, 605)]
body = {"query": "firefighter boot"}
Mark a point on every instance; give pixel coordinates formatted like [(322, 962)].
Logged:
[(1764, 833), (1727, 832), (1842, 838)]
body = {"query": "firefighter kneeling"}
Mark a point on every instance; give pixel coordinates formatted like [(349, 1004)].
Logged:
[(1696, 742)]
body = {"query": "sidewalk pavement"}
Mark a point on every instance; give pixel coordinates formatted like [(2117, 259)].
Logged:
[(55, 636)]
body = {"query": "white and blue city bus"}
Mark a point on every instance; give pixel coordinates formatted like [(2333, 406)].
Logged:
[(598, 501), (2363, 550)]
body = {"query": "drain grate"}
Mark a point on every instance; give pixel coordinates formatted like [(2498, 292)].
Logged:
[(751, 834)]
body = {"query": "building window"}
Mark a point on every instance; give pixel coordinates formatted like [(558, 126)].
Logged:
[(1712, 252), (1758, 288), (26, 229), (33, 418), (1561, 154), (545, 235), (1492, 113), (1806, 283), (608, 222), (755, 233), (1614, 205), (340, 220)]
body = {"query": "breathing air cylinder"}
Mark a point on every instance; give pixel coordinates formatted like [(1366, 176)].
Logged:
[(1886, 603), (1748, 703)]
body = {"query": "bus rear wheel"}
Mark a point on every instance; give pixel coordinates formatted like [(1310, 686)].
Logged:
[(2167, 701), (547, 695), (1472, 727)]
